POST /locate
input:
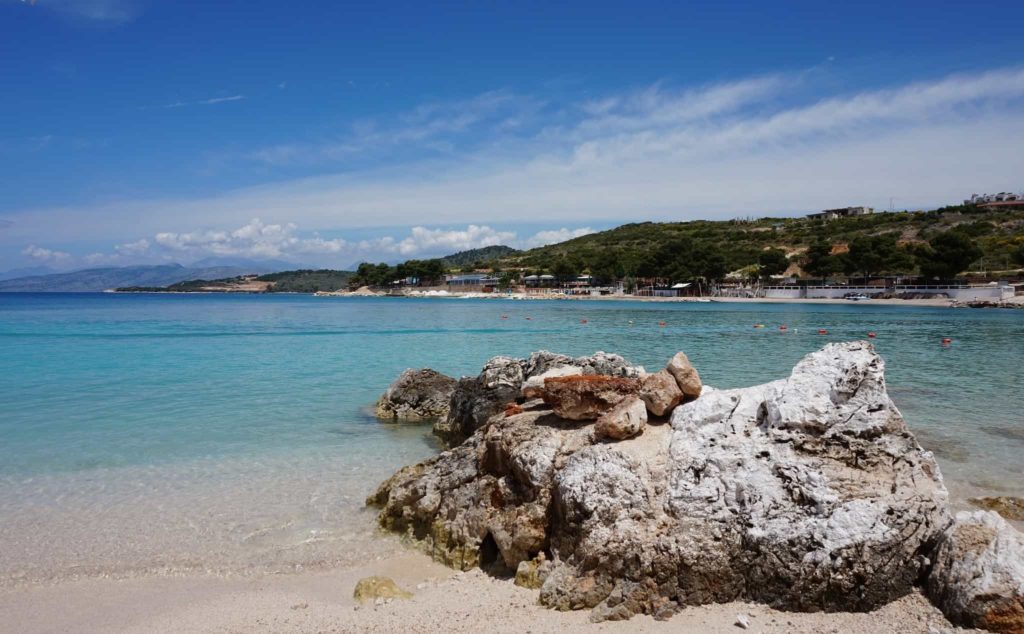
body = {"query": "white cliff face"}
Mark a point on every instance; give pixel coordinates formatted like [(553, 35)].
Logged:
[(807, 493)]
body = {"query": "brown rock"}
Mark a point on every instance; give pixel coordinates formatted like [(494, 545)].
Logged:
[(512, 409), (686, 375), (1009, 507), (660, 392), (625, 420), (586, 397)]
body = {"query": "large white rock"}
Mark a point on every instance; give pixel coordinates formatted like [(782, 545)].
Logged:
[(807, 493)]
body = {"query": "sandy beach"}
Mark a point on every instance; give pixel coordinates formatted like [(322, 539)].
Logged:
[(443, 600)]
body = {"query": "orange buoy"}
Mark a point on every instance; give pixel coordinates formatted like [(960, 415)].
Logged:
[(946, 341), (822, 331), (871, 335), (661, 323), (583, 321), (783, 327)]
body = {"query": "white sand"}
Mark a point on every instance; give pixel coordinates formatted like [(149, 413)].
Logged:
[(444, 601)]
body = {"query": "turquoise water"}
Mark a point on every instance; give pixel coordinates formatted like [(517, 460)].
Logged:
[(229, 433)]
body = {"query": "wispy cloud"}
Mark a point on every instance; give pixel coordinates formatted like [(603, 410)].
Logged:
[(257, 239), (111, 12), (202, 102), (772, 144)]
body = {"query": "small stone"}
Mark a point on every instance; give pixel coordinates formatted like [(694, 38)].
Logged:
[(378, 588), (660, 392), (685, 374), (742, 621), (625, 420)]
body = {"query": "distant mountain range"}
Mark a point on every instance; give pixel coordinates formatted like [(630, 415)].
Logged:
[(101, 279)]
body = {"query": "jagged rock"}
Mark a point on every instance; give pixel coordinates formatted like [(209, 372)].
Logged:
[(807, 493), (476, 399), (533, 387), (977, 578), (1011, 508), (417, 395), (660, 392), (625, 420), (686, 375), (377, 588), (586, 397)]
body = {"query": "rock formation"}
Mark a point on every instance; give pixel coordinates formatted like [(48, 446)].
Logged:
[(476, 399), (417, 395), (806, 493)]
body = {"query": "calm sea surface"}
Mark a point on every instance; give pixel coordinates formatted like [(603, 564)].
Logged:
[(160, 433)]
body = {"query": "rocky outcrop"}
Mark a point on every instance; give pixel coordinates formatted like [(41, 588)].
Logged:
[(978, 574), (533, 387), (501, 381), (807, 493), (417, 395), (625, 420), (586, 397)]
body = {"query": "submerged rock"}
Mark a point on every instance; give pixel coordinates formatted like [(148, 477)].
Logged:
[(417, 395), (807, 493), (1009, 507), (371, 588), (978, 574)]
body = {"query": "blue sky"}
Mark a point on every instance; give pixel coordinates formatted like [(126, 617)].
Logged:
[(136, 131)]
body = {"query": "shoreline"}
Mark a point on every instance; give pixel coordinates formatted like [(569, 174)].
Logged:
[(443, 598)]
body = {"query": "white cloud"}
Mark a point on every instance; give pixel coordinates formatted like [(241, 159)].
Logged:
[(42, 254), (747, 147), (542, 238), (422, 239), (201, 102)]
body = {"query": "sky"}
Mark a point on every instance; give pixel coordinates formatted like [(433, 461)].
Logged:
[(328, 133)]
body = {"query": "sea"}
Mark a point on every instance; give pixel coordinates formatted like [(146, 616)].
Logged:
[(150, 434)]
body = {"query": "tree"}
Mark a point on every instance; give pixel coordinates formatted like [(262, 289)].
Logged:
[(563, 270), (874, 255), (947, 254), (820, 262), (772, 262), (1018, 255)]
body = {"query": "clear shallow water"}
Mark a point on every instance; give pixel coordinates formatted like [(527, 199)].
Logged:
[(231, 433)]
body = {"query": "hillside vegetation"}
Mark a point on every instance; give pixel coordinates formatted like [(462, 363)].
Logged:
[(897, 242)]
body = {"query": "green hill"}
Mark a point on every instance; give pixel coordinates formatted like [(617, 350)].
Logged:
[(481, 256), (702, 247)]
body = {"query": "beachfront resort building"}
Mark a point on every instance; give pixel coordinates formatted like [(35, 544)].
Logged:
[(841, 212), (471, 280)]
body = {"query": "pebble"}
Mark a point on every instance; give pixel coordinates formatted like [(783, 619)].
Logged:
[(742, 621)]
